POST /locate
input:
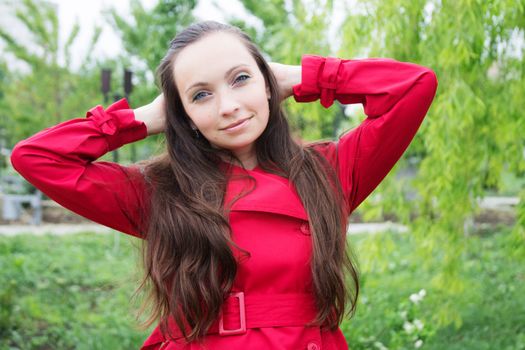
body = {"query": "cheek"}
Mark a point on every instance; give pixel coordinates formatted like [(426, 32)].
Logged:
[(259, 100), (202, 118)]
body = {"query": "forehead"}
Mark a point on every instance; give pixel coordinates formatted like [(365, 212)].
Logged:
[(209, 58)]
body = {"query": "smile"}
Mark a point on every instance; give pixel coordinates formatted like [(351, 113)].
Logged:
[(237, 125)]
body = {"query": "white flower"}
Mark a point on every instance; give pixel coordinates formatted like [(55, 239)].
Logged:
[(408, 327), (418, 324), (380, 345), (418, 343), (403, 314), (415, 298)]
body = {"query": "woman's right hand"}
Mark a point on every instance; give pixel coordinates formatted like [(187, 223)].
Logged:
[(153, 115)]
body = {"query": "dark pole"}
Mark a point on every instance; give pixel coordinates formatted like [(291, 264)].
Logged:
[(128, 85), (128, 88), (106, 84)]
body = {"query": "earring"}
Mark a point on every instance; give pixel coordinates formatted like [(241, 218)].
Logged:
[(196, 131)]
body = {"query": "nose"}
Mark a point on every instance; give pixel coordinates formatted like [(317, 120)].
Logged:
[(228, 104)]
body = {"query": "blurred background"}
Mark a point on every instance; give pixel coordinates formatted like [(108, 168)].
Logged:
[(440, 242)]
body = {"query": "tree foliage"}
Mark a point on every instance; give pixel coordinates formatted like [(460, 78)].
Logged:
[(147, 34), (475, 130), (50, 91)]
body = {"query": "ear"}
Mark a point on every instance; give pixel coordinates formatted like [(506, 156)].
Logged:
[(192, 125), (268, 94)]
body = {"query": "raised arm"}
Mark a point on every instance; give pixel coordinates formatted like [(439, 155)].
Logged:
[(61, 162), (395, 96)]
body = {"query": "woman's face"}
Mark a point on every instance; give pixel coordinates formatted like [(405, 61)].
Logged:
[(223, 92)]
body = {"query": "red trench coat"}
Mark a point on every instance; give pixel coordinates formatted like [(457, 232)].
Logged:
[(274, 297)]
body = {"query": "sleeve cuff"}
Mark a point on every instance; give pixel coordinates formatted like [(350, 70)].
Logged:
[(318, 79), (118, 123)]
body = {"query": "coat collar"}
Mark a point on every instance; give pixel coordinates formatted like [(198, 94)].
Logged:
[(260, 191)]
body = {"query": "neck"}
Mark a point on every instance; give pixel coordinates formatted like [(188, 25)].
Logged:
[(247, 157)]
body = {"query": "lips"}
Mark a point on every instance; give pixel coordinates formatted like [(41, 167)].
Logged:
[(236, 123)]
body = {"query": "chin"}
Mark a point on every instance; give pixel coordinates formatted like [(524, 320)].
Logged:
[(239, 146)]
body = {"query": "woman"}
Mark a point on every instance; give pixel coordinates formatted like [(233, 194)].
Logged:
[(244, 229)]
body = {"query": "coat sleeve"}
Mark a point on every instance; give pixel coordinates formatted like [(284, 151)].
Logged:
[(396, 97), (61, 162)]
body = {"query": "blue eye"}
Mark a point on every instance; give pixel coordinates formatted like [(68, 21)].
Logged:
[(199, 95), (241, 78)]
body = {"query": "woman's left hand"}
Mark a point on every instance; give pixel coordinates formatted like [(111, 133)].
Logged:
[(287, 76)]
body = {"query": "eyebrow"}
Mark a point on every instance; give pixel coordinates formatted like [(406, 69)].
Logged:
[(228, 72)]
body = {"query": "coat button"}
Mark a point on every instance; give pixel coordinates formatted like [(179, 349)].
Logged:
[(305, 228), (313, 346)]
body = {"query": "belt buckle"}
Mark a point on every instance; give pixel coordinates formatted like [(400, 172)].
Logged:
[(242, 317)]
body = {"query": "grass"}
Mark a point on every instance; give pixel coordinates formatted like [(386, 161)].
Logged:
[(70, 292), (491, 306), (73, 292)]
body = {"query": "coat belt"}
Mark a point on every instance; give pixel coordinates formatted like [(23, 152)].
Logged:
[(242, 311)]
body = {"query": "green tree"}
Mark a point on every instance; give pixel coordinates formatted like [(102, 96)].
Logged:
[(147, 34), (475, 130), (49, 92)]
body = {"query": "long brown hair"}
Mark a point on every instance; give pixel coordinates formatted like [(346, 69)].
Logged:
[(188, 257)]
